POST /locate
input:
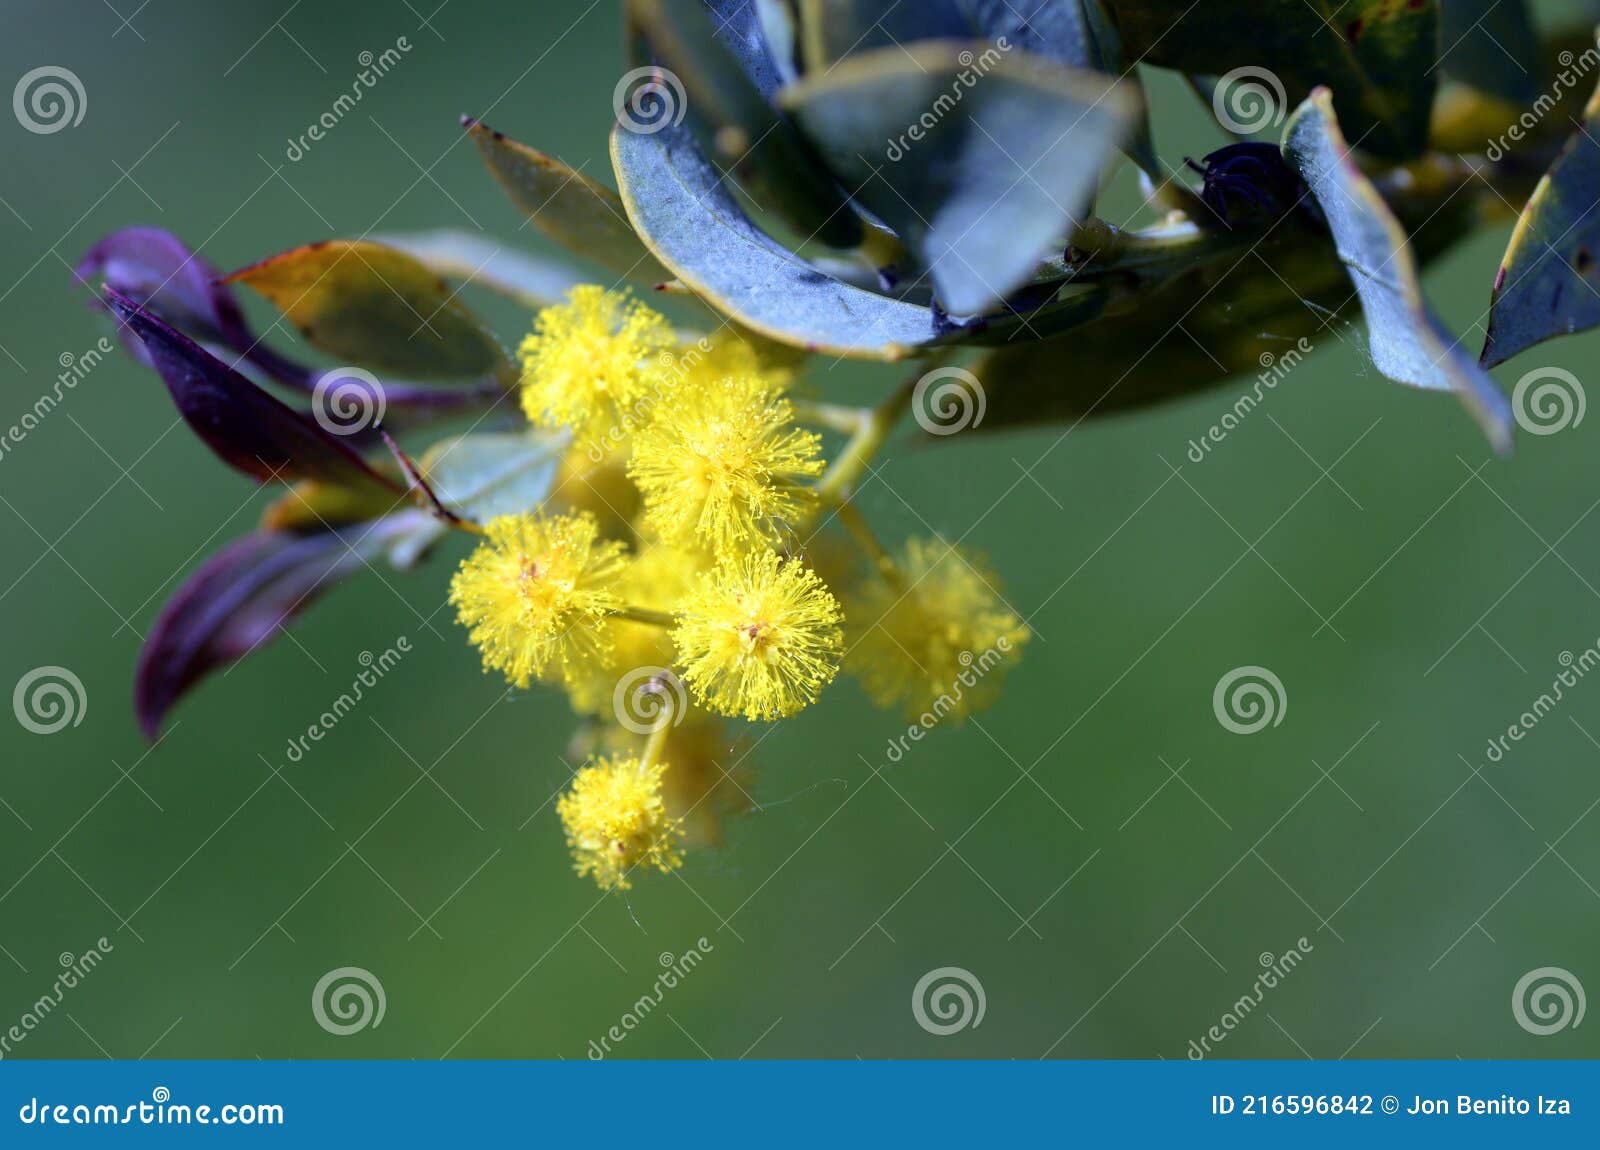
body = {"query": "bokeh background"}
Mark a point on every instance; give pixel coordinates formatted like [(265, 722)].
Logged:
[(1098, 851)]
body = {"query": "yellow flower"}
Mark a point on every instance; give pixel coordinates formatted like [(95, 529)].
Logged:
[(535, 591), (616, 820), (708, 778), (759, 637), (939, 639), (589, 359), (721, 464)]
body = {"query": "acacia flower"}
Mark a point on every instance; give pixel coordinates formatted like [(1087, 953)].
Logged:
[(616, 820), (759, 637), (588, 359), (536, 592), (915, 638), (720, 464)]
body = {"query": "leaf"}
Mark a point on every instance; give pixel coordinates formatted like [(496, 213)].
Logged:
[(700, 83), (677, 201), (982, 160), (154, 269), (375, 306), (1547, 281), (760, 35), (576, 212), (1495, 50), (247, 429), (486, 475), (1408, 344), (240, 598), (1378, 55), (468, 257), (833, 30)]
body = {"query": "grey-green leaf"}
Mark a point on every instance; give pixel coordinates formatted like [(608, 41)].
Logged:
[(983, 160), (1408, 344), (1548, 279), (681, 208)]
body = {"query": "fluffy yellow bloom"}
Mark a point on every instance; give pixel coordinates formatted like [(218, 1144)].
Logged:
[(588, 360), (940, 640), (721, 464), (759, 637), (709, 776), (536, 591), (616, 820)]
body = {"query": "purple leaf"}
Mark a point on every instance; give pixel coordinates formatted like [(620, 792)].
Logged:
[(246, 427), (241, 597)]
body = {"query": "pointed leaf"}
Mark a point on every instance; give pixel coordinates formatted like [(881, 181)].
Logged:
[(1008, 166), (247, 429), (372, 305), (681, 208), (1548, 278), (760, 35), (1408, 343), (699, 83), (470, 258), (486, 475), (240, 598), (1379, 56), (581, 215)]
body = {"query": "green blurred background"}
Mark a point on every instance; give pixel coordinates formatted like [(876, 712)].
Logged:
[(1107, 908)]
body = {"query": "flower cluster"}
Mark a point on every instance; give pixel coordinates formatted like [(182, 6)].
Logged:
[(685, 550)]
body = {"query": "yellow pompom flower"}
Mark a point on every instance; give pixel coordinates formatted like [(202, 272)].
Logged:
[(589, 359), (616, 820), (759, 637), (536, 592), (938, 638), (721, 465)]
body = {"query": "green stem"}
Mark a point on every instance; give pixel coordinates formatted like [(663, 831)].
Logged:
[(656, 743), (872, 430)]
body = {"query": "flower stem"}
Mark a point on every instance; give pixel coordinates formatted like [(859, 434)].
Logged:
[(871, 431), (643, 615)]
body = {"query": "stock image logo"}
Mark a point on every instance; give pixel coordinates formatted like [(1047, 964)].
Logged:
[(948, 400), (646, 100), (348, 400), (1248, 100), (1249, 699), (1548, 400), (1548, 1000), (649, 698), (947, 1000), (48, 699), (48, 99), (347, 1000)]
